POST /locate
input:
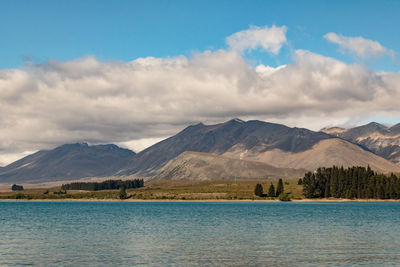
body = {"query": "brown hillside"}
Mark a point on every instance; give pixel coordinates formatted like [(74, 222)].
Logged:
[(206, 166), (323, 154)]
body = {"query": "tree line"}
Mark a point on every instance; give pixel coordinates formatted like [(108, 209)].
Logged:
[(353, 182), (259, 191), (109, 184)]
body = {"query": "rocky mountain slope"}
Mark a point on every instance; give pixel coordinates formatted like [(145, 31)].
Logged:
[(207, 166), (270, 143), (380, 139), (220, 138), (325, 153), (71, 161), (238, 149)]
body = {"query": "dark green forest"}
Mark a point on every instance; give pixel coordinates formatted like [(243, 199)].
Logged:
[(350, 183), (109, 184)]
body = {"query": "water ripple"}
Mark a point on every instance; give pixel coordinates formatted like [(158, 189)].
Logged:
[(199, 234)]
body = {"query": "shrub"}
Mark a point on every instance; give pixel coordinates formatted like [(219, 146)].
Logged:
[(61, 192), (284, 197), (19, 196), (16, 187)]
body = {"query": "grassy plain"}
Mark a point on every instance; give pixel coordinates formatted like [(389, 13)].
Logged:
[(167, 190)]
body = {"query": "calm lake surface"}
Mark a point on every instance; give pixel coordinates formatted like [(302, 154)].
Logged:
[(199, 233)]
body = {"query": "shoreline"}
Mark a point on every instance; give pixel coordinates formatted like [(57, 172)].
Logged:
[(200, 200)]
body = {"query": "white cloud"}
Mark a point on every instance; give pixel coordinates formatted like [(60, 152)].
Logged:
[(359, 46), (264, 71), (266, 38), (140, 144), (6, 158), (136, 103)]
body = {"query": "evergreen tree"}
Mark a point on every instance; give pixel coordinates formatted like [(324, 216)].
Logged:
[(371, 187), (333, 182), (271, 191), (279, 188), (341, 183), (122, 192), (300, 182), (319, 190), (307, 185), (258, 191), (353, 182), (397, 187), (380, 192), (328, 188)]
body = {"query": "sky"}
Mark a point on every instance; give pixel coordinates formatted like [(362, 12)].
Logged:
[(135, 72)]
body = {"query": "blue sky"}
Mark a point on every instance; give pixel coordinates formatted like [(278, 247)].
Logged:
[(135, 72), (126, 30)]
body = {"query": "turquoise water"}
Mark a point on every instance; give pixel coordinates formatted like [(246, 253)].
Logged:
[(199, 233)]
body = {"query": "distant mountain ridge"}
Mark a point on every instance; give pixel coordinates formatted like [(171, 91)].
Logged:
[(328, 152), (226, 147), (380, 139), (70, 161), (219, 138)]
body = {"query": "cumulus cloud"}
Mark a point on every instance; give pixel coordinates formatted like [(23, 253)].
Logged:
[(359, 46), (140, 144), (49, 104), (269, 39), (6, 158), (264, 71)]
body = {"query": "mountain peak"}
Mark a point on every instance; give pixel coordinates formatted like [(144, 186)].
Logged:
[(66, 162), (237, 120), (364, 130), (74, 145), (333, 130), (395, 129), (375, 124), (223, 137)]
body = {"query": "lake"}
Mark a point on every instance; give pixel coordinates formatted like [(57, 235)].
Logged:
[(199, 233)]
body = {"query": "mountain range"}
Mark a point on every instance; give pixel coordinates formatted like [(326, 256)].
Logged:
[(67, 162), (224, 138), (234, 149), (382, 140)]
